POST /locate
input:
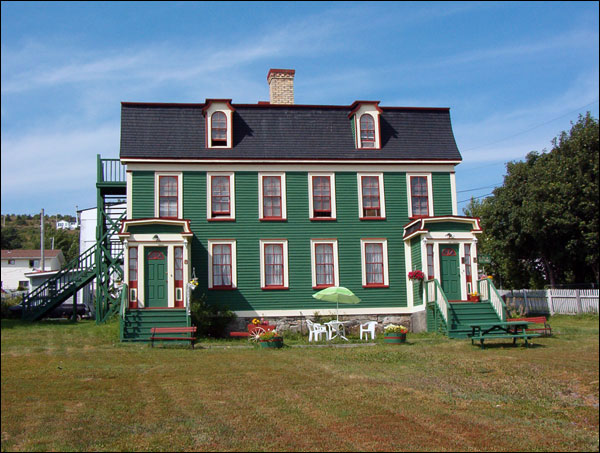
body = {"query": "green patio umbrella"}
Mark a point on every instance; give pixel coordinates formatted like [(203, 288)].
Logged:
[(337, 294)]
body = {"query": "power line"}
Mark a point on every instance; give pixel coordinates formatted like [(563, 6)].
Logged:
[(478, 188), (532, 128), (475, 198)]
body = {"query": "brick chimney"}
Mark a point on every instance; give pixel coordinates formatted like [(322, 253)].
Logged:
[(281, 86)]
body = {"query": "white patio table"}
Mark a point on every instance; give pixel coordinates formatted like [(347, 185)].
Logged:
[(336, 329)]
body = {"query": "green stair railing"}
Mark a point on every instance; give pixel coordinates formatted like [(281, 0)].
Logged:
[(434, 294), (58, 288), (489, 293)]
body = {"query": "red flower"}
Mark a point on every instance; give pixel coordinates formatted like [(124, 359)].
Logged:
[(416, 275)]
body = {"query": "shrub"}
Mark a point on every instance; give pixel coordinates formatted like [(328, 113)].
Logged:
[(5, 307), (210, 320)]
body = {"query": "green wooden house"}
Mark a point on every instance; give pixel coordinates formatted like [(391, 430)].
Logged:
[(267, 203)]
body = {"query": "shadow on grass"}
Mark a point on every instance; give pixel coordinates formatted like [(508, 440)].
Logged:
[(509, 346)]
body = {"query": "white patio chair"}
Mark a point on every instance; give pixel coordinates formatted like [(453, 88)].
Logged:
[(368, 328), (315, 330)]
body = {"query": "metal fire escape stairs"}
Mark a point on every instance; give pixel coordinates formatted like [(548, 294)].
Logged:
[(103, 262)]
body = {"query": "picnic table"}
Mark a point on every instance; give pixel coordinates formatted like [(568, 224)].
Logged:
[(501, 329)]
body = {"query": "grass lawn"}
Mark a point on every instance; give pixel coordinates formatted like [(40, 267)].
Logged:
[(73, 387)]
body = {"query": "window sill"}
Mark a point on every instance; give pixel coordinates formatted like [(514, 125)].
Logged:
[(274, 219), (322, 286), (376, 286), (222, 219), (415, 217), (322, 219), (274, 288), (371, 218), (222, 288)]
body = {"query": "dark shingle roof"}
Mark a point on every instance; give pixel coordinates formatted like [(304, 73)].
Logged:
[(177, 131)]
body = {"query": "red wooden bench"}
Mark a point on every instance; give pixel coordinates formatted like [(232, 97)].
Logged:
[(158, 333), (254, 330), (547, 330)]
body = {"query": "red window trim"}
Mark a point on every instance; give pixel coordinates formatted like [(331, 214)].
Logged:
[(321, 219), (314, 197), (362, 186), (213, 129), (361, 129), (272, 218), (170, 196), (224, 214), (230, 286), (178, 283), (426, 196), (133, 283), (323, 285), (374, 285), (265, 265), (432, 274)]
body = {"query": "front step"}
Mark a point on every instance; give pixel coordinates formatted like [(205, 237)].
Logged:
[(138, 322), (464, 313)]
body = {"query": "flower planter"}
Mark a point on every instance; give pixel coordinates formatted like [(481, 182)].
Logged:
[(275, 343), (395, 338), (472, 298)]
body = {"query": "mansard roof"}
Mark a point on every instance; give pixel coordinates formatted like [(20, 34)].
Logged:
[(273, 132)]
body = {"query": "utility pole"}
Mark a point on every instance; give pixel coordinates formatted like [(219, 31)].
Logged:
[(42, 261)]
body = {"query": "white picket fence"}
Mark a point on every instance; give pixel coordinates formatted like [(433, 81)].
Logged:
[(554, 301)]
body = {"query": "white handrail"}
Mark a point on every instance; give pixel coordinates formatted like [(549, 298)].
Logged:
[(489, 292), (435, 294)]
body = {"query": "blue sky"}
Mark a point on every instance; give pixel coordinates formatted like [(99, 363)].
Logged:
[(513, 74)]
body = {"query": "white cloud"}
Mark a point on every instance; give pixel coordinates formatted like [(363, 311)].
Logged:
[(43, 163)]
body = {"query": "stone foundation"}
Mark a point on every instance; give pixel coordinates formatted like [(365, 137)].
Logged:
[(416, 322)]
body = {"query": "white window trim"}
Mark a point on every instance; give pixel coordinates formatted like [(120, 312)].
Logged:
[(283, 195), (371, 110), (219, 107), (211, 244), (363, 259), (157, 176), (381, 194), (263, 243), (429, 193), (313, 260), (231, 176), (310, 196)]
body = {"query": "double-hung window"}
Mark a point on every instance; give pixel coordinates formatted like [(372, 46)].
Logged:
[(374, 263), (272, 199), (168, 203), (430, 267), (321, 196), (371, 200), (221, 196), (218, 130), (273, 264), (324, 261), (367, 131), (419, 198), (222, 264)]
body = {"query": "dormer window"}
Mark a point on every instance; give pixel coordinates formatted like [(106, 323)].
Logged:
[(218, 133), (219, 130), (367, 131), (365, 116)]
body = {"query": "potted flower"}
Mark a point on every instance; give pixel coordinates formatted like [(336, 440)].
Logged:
[(473, 297), (270, 339), (395, 334), (416, 275)]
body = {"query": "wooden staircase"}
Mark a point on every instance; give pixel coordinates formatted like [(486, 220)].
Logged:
[(64, 284), (454, 318)]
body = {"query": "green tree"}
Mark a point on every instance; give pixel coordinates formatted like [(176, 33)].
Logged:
[(541, 225), (10, 238)]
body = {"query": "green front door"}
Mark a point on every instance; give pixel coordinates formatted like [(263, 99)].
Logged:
[(450, 269), (156, 278)]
